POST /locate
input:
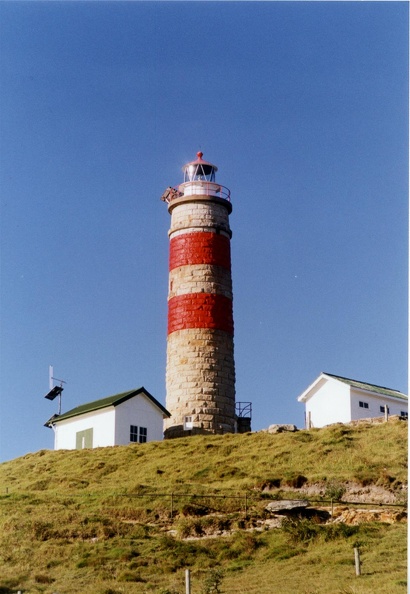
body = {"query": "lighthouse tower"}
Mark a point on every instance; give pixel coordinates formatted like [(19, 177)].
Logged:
[(200, 375)]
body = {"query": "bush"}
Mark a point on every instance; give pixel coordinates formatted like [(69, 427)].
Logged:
[(189, 527), (335, 491), (130, 576), (213, 581), (295, 480), (303, 530)]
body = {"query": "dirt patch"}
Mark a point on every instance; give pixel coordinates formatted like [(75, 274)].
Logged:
[(359, 516), (354, 493)]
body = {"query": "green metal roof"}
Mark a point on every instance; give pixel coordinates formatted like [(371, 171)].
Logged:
[(113, 400), (369, 387)]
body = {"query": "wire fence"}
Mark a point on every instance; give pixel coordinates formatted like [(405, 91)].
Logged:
[(247, 500)]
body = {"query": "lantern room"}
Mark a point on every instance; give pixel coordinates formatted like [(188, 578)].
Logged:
[(199, 170), (199, 180)]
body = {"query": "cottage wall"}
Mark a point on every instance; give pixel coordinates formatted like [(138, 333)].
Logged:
[(139, 412), (100, 421), (374, 402), (329, 404)]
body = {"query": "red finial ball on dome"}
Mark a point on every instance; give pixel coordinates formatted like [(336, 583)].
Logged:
[(199, 155)]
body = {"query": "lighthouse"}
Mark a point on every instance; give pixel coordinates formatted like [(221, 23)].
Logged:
[(200, 372)]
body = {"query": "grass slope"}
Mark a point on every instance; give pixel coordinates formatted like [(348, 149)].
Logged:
[(98, 521)]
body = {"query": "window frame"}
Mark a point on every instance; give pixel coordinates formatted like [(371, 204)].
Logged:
[(142, 435)]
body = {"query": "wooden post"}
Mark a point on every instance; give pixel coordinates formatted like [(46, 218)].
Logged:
[(357, 560), (386, 412), (187, 581)]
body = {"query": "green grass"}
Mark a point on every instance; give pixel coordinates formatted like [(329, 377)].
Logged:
[(99, 521)]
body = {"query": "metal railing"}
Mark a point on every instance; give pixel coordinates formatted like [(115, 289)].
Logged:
[(243, 409), (196, 188), (203, 188)]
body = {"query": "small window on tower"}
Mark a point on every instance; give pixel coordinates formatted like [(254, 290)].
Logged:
[(188, 423), (133, 433)]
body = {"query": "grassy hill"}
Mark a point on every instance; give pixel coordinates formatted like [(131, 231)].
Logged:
[(132, 519)]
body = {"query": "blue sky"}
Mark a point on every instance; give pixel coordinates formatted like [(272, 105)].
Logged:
[(303, 106)]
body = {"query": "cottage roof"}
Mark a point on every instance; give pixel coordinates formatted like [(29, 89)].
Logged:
[(113, 400), (370, 387), (383, 391)]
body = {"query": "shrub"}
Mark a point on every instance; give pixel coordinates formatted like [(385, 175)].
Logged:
[(335, 491), (130, 576), (295, 480), (303, 530), (212, 582), (335, 531)]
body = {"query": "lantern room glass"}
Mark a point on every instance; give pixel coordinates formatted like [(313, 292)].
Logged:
[(199, 172)]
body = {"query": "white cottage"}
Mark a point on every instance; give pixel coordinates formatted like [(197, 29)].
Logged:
[(334, 399), (134, 416)]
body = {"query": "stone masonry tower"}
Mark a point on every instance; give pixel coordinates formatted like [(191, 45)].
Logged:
[(200, 375)]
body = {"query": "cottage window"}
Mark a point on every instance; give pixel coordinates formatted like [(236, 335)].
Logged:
[(363, 404), (382, 410), (142, 435), (134, 433), (404, 414)]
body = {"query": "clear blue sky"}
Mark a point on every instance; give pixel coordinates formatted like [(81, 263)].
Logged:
[(303, 106)]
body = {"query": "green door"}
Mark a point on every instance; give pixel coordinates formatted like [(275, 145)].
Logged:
[(84, 439)]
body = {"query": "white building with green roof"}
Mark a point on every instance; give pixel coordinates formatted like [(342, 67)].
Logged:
[(335, 399), (129, 417)]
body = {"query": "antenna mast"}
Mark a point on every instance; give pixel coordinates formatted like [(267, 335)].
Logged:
[(54, 391)]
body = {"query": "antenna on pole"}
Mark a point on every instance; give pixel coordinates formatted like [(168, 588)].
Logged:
[(54, 391)]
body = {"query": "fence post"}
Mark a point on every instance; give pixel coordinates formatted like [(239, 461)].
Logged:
[(187, 581), (386, 412), (357, 560)]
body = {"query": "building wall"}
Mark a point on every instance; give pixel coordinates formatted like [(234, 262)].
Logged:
[(111, 426), (101, 421), (329, 404), (139, 412), (374, 402)]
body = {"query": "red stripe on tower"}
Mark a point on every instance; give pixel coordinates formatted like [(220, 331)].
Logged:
[(200, 310), (200, 248)]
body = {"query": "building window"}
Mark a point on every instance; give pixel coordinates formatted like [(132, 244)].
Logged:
[(142, 435), (134, 433), (188, 423), (138, 434), (382, 409), (404, 414), (363, 404)]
